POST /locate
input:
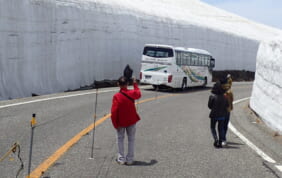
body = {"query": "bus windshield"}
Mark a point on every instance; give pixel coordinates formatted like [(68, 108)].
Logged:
[(158, 52)]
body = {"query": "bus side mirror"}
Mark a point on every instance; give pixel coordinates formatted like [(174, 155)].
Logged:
[(212, 64)]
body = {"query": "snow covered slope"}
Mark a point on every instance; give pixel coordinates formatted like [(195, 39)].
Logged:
[(51, 46), (266, 97)]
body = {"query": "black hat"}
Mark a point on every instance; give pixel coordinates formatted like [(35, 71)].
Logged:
[(127, 73)]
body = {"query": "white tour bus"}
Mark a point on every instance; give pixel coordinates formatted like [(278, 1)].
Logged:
[(175, 67)]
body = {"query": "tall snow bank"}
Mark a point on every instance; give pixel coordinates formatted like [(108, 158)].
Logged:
[(266, 97), (51, 46)]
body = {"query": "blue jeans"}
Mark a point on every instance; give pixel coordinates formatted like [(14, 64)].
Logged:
[(220, 128), (225, 125)]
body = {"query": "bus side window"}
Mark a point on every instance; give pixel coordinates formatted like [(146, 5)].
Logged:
[(198, 61), (206, 61), (178, 58), (194, 59), (201, 61), (185, 59), (182, 58), (188, 58), (209, 61)]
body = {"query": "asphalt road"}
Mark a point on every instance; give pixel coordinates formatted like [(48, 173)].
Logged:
[(173, 138)]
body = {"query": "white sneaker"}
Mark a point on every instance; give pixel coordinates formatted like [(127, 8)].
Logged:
[(120, 161), (224, 143)]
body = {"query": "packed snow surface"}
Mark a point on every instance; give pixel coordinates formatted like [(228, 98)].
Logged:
[(266, 97)]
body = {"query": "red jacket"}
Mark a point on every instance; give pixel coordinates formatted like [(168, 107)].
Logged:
[(123, 109)]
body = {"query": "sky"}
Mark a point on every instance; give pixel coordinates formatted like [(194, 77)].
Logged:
[(268, 12)]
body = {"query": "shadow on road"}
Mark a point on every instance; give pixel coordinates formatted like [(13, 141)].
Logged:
[(231, 145), (234, 143), (143, 163)]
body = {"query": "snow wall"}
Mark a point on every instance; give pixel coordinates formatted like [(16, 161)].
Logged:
[(50, 46), (266, 97)]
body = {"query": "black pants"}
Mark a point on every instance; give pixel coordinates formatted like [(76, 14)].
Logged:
[(220, 128)]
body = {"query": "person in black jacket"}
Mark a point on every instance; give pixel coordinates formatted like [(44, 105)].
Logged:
[(218, 105)]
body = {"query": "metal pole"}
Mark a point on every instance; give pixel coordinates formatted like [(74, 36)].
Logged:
[(157, 90), (137, 103), (32, 124), (93, 136)]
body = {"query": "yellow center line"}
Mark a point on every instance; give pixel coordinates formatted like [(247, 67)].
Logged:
[(36, 173)]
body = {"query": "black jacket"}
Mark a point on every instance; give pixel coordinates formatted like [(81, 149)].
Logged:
[(218, 105), (217, 102)]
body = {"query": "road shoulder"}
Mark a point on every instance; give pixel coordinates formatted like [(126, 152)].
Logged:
[(253, 128)]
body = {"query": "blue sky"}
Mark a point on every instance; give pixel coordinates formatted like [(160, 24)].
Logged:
[(268, 12)]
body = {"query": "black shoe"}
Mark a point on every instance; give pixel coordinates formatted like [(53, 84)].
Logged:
[(216, 144), (220, 144)]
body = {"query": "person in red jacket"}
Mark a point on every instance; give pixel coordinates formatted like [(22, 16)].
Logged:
[(124, 118)]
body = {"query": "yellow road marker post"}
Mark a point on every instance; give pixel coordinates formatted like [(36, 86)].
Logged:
[(32, 124), (95, 116)]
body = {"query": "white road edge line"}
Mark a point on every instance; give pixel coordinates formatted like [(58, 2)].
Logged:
[(248, 142), (51, 98), (60, 97), (279, 167)]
